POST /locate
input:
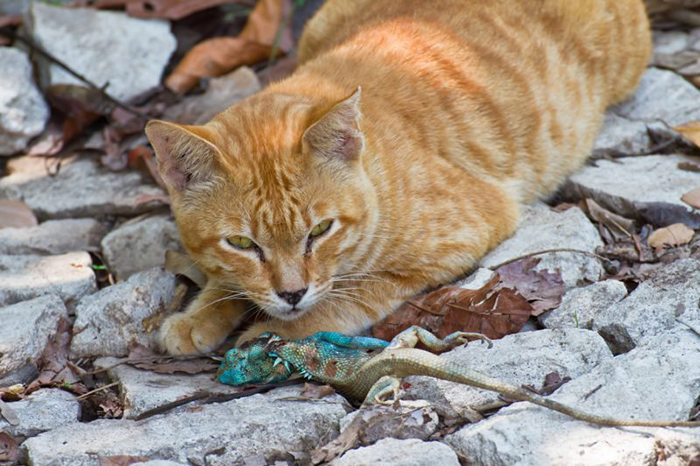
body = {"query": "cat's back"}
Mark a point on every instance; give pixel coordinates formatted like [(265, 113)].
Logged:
[(512, 83)]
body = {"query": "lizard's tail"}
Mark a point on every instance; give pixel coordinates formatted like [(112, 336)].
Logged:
[(418, 362)]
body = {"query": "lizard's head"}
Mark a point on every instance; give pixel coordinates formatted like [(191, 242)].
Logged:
[(254, 363)]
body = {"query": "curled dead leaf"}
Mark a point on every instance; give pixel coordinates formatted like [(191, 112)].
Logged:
[(16, 214), (673, 235), (9, 450), (690, 131), (217, 56), (692, 198)]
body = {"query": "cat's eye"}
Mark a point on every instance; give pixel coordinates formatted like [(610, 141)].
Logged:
[(240, 242), (321, 228)]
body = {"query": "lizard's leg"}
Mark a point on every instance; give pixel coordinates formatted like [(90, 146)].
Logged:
[(351, 342), (385, 391), (410, 337)]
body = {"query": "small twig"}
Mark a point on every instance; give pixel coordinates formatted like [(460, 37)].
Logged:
[(35, 47), (548, 251), (690, 326), (208, 398), (99, 389)]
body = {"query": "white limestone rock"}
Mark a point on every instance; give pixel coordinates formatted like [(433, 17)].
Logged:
[(109, 321), (626, 185), (523, 358), (43, 410), (140, 245), (70, 276), (23, 111), (53, 237), (660, 381), (80, 189), (580, 306), (653, 307), (215, 434), (393, 452), (142, 390), (104, 46), (542, 228), (24, 332)]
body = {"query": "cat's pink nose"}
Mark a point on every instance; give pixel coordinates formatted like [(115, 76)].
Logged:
[(292, 297)]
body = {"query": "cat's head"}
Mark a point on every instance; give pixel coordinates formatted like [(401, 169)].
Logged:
[(271, 197)]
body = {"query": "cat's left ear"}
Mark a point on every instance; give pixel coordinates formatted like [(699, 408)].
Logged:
[(337, 133)]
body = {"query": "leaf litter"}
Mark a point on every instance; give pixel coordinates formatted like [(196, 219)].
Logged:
[(501, 307)]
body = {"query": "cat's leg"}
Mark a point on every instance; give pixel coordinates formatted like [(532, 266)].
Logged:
[(204, 325)]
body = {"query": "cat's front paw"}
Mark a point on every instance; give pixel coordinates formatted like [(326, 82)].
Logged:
[(183, 334)]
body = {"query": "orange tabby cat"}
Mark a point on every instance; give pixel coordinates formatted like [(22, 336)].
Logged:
[(399, 152)]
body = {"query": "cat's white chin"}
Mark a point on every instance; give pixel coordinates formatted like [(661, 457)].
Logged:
[(291, 313)]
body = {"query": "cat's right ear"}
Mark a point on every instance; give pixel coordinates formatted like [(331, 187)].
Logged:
[(184, 153)]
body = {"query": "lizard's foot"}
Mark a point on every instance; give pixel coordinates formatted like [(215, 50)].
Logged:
[(410, 337), (385, 391), (462, 338)]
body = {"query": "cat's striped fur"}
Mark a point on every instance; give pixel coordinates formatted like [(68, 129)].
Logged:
[(467, 110)]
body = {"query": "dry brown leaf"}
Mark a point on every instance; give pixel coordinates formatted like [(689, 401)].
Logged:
[(673, 235), (181, 264), (618, 225), (217, 56), (146, 359), (121, 460), (314, 391), (8, 413), (690, 131), (9, 450), (692, 198), (689, 167), (16, 214), (54, 368), (542, 289), (165, 9), (491, 310)]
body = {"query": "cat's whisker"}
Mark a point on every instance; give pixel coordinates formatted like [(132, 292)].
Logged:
[(352, 297)]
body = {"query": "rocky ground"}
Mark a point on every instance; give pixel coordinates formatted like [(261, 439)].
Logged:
[(622, 332)]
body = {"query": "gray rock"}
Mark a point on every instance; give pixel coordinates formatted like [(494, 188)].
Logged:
[(414, 419), (670, 42), (24, 332), (664, 96), (140, 245), (659, 175), (391, 452), (542, 228), (109, 321), (580, 306), (144, 390), (618, 135), (26, 277), (660, 381), (216, 434), (105, 47), (476, 279), (43, 410), (221, 93), (16, 7), (570, 352), (161, 463), (23, 112), (652, 308), (80, 189), (53, 237)]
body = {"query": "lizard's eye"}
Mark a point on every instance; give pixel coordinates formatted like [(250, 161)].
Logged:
[(240, 242), (320, 229)]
